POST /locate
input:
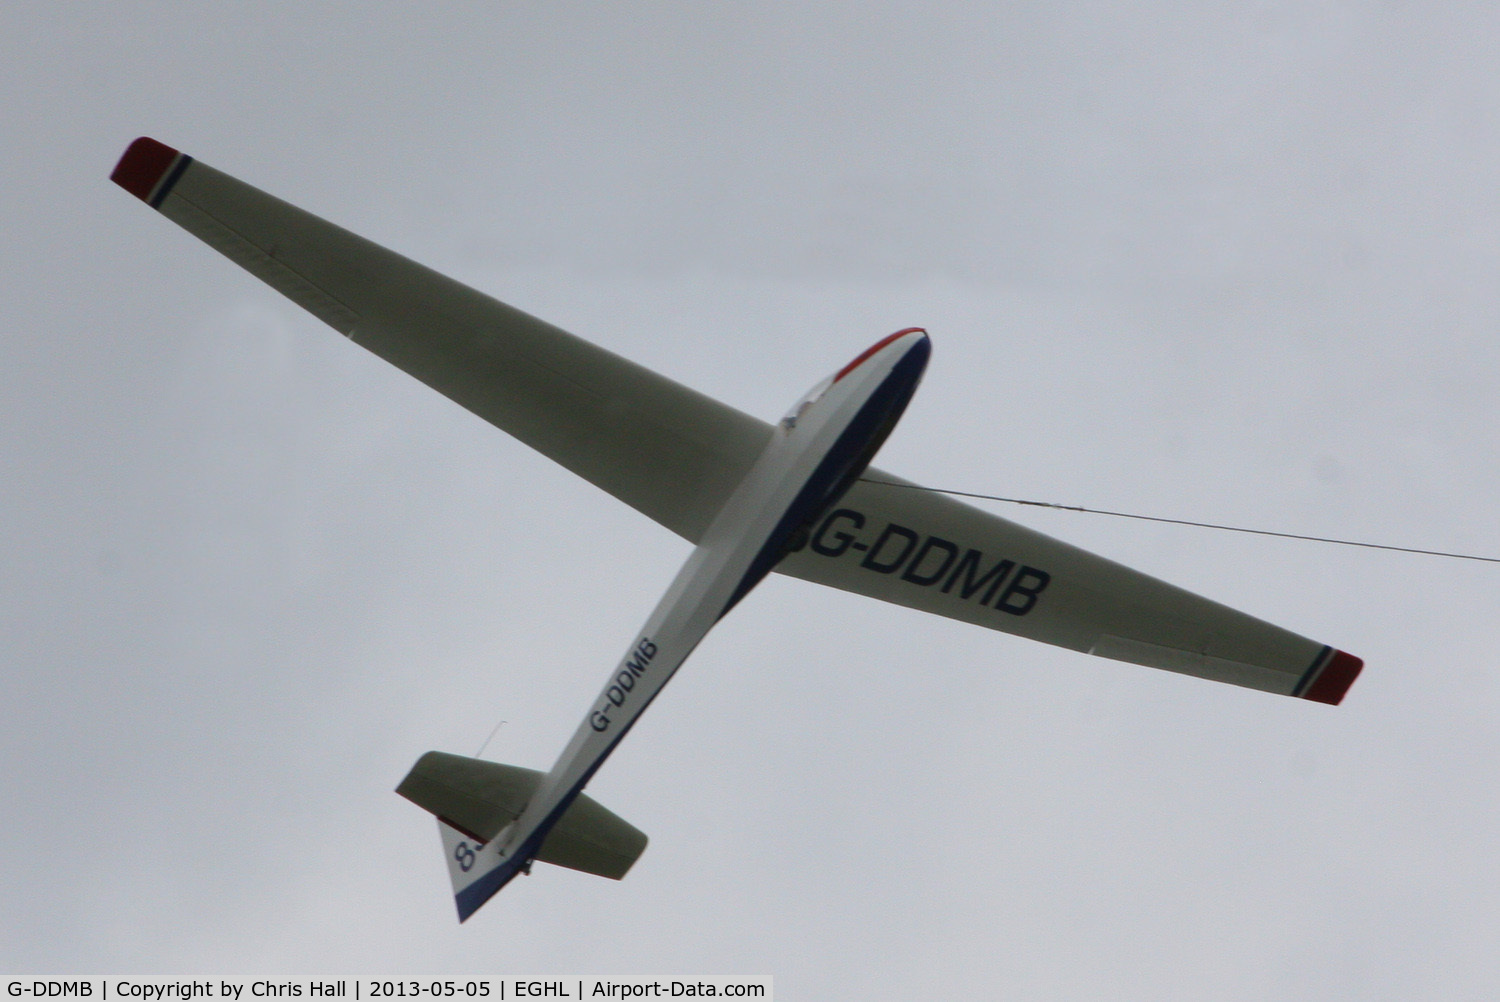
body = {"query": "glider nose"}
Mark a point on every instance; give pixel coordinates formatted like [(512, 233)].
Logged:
[(916, 335), (894, 348)]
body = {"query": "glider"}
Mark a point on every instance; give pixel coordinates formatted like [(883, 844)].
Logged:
[(794, 497)]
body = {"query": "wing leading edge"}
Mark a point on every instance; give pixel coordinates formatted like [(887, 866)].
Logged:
[(676, 455)]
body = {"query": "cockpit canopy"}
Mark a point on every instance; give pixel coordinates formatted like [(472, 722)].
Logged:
[(811, 397)]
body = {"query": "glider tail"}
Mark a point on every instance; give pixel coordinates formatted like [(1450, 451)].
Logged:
[(476, 801)]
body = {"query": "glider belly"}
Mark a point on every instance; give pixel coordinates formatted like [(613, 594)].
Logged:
[(812, 458)]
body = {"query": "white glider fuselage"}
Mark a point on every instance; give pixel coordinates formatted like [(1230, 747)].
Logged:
[(815, 453)]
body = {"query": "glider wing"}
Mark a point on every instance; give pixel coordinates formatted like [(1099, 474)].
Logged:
[(676, 455), (670, 452), (891, 540)]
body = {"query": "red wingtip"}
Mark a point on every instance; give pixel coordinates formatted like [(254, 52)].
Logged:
[(1335, 679), (142, 168)]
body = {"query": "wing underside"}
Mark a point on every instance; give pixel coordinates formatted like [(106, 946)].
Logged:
[(675, 454)]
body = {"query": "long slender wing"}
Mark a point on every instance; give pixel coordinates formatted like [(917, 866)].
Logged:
[(668, 451), (893, 541), (675, 455)]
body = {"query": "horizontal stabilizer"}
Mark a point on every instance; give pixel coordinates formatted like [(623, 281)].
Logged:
[(480, 798)]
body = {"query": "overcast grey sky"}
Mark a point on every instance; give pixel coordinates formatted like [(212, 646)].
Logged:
[(1234, 265)]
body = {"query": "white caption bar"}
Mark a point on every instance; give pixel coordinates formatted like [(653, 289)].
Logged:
[(124, 988)]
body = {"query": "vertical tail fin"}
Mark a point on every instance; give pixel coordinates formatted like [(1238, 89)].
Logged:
[(476, 869)]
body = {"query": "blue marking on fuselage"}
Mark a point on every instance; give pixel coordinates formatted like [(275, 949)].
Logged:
[(845, 461)]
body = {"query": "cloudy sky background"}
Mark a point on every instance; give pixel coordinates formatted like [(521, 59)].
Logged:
[(1237, 267)]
